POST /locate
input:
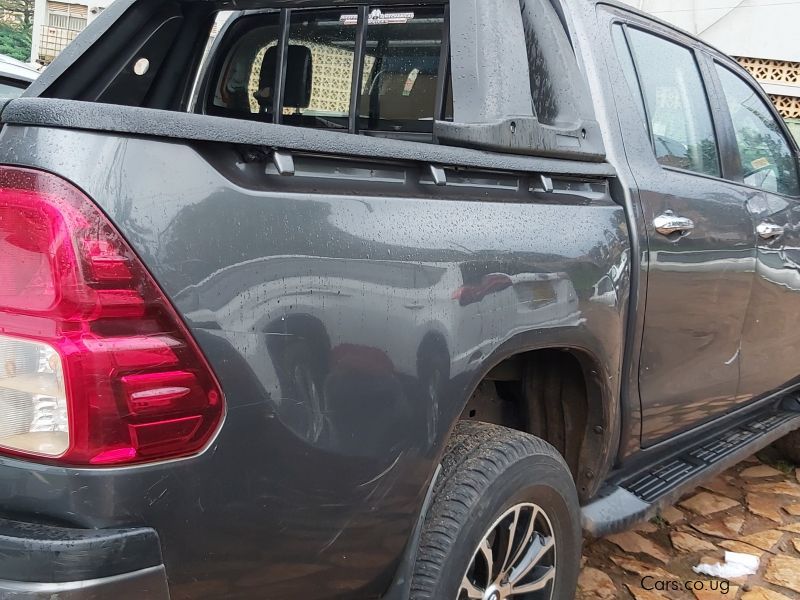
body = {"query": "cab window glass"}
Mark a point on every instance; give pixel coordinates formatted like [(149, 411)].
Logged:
[(402, 76), (767, 158), (322, 49), (241, 89), (401, 69), (676, 102)]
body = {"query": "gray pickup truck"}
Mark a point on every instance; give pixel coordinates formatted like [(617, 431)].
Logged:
[(326, 300)]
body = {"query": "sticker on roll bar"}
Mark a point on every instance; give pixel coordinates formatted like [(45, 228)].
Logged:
[(378, 17)]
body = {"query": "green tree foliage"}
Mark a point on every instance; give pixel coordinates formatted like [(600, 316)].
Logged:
[(15, 28), (15, 41)]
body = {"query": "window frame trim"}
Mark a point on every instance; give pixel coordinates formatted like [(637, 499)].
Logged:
[(285, 26), (443, 78), (357, 78)]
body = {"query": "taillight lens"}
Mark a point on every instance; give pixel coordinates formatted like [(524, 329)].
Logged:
[(96, 368)]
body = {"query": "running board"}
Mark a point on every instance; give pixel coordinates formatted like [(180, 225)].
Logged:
[(640, 496)]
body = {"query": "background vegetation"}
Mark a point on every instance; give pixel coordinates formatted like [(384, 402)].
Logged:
[(16, 24)]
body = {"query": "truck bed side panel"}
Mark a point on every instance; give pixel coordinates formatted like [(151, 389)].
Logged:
[(349, 311)]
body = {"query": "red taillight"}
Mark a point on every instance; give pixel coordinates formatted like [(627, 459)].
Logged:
[(96, 368)]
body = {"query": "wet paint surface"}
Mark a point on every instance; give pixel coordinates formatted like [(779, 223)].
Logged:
[(348, 312)]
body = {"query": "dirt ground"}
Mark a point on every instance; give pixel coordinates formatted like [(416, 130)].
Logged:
[(753, 508)]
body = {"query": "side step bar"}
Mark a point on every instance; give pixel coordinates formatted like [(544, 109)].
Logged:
[(640, 496)]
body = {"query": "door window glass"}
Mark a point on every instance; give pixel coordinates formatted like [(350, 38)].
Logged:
[(676, 102), (628, 68), (767, 158)]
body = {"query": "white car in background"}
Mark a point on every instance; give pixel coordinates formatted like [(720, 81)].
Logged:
[(15, 76)]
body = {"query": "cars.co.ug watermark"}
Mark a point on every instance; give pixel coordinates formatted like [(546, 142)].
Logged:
[(651, 583)]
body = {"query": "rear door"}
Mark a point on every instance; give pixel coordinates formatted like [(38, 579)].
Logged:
[(768, 161), (700, 237)]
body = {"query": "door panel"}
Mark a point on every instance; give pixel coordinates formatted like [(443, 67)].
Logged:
[(697, 296), (701, 269), (771, 334)]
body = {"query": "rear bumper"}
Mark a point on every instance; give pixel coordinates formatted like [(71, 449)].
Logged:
[(147, 583), (40, 561)]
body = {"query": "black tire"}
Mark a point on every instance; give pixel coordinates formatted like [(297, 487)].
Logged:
[(488, 470), (789, 447)]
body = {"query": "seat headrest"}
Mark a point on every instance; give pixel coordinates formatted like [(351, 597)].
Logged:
[(299, 73)]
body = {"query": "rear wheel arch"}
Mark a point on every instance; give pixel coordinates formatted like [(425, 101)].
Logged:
[(601, 399), (559, 394)]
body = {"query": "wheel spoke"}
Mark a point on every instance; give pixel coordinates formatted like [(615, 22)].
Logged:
[(538, 548), (512, 533), (535, 586), (488, 555), (468, 587), (528, 535)]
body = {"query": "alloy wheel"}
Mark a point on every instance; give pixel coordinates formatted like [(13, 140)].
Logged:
[(516, 559)]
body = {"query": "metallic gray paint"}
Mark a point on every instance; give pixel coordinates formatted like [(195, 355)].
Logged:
[(772, 319), (342, 277), (704, 294)]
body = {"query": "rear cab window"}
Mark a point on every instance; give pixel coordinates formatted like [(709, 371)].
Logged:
[(384, 74), (381, 69)]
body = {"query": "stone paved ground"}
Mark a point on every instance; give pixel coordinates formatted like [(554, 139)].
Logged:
[(752, 508)]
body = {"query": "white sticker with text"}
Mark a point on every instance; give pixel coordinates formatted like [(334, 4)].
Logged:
[(378, 17)]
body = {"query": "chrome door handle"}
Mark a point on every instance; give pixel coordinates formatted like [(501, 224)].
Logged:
[(670, 223), (769, 231)]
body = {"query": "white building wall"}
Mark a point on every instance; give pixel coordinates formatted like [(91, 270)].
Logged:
[(768, 30), (757, 28), (40, 19)]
